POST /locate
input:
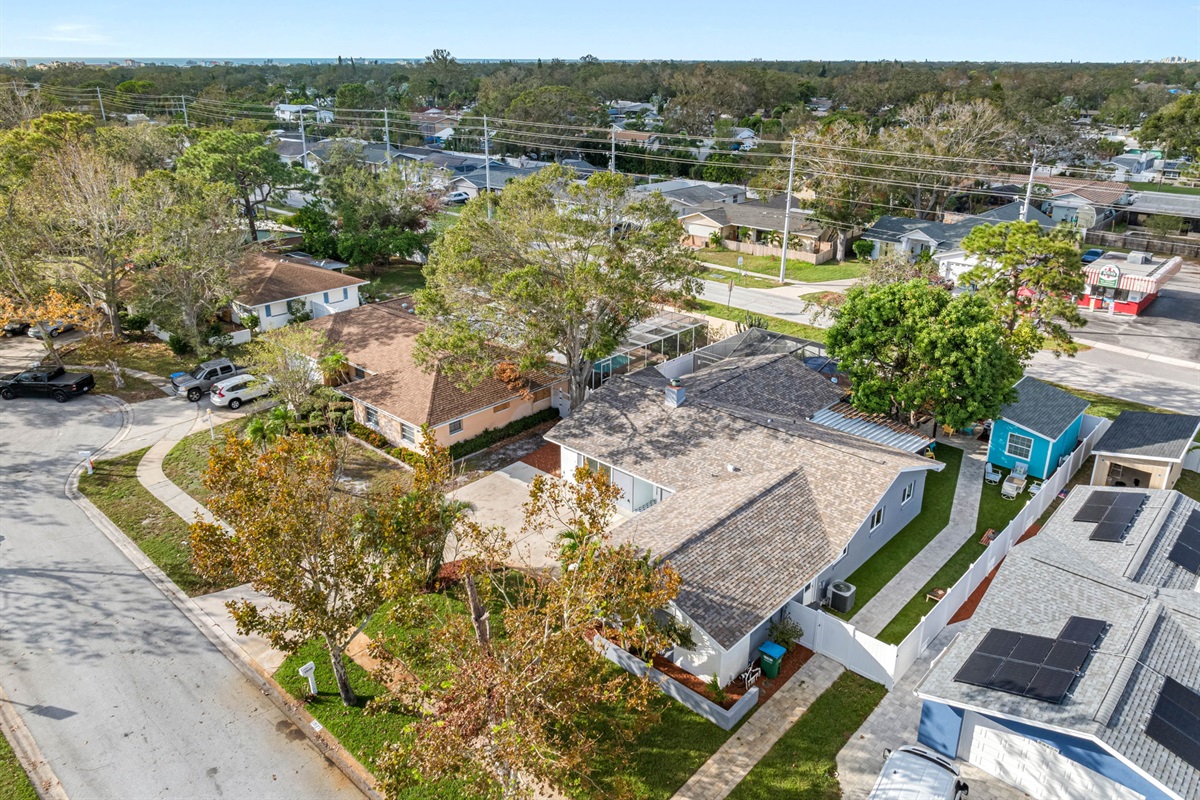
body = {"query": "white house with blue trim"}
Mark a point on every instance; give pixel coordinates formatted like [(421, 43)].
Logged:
[(1078, 676), (1040, 429), (278, 288)]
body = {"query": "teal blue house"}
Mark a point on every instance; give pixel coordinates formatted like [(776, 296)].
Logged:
[(1039, 429)]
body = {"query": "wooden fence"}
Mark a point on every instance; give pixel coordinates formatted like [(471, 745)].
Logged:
[(1128, 241)]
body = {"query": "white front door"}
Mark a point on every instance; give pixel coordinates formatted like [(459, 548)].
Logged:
[(1035, 768)]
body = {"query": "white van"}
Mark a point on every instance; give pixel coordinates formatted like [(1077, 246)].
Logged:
[(914, 773)]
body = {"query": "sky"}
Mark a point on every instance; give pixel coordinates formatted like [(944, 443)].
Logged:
[(1094, 30)]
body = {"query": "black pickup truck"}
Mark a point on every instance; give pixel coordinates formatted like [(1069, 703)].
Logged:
[(46, 382)]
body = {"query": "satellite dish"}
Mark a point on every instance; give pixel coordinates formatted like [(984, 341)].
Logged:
[(1086, 218)]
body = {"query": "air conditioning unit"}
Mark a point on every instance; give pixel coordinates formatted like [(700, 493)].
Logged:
[(1138, 257), (841, 597)]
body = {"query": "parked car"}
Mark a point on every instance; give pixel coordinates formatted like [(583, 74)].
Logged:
[(46, 382), (1094, 254), (915, 773), (194, 384), (16, 328), (55, 329), (454, 198), (235, 391)]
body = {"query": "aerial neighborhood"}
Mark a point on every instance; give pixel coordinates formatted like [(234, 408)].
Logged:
[(580, 428)]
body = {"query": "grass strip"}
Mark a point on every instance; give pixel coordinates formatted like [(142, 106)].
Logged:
[(14, 783), (799, 329)]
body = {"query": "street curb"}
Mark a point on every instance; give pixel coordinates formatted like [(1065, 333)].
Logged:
[(325, 743), (29, 755), (1112, 348)]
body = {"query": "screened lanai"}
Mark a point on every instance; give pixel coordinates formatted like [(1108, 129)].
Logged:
[(664, 336)]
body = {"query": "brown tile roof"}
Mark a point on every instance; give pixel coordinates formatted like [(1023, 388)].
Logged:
[(763, 498), (267, 279), (1101, 192), (381, 338)]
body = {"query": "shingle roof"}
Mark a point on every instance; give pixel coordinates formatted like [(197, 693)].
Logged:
[(1150, 435), (1043, 409), (265, 279), (759, 216), (763, 498), (1155, 630), (381, 338), (949, 234)]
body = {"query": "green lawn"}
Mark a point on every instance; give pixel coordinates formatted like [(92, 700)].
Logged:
[(1169, 188), (747, 281), (912, 538), (14, 783), (147, 354), (156, 529), (721, 311), (1189, 484), (796, 270), (803, 763), (1105, 406), (135, 390), (394, 281), (364, 735)]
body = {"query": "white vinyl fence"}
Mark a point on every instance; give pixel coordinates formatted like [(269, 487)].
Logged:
[(887, 663)]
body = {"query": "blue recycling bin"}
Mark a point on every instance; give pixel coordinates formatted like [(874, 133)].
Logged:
[(772, 658)]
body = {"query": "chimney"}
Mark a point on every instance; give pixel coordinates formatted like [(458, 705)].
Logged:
[(675, 394)]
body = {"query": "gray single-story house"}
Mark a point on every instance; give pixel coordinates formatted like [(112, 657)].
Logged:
[(1143, 449)]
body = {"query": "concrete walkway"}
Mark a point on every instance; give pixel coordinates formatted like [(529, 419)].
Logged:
[(150, 472), (725, 769), (882, 608)]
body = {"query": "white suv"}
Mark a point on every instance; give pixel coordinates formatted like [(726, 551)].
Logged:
[(239, 389)]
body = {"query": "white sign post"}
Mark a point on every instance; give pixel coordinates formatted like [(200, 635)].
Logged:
[(86, 455), (211, 435), (308, 671)]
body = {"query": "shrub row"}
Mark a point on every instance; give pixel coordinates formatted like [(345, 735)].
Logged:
[(489, 438)]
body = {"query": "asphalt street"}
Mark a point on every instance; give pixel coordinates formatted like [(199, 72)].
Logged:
[(125, 696)]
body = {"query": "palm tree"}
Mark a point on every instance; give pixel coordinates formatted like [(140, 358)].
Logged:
[(334, 368), (264, 429)]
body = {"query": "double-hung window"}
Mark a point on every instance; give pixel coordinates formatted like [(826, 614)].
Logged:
[(372, 417), (907, 494), (1019, 446), (877, 518), (408, 433), (455, 426)]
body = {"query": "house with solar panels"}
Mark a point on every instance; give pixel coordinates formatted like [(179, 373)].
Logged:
[(1078, 676), (1040, 429), (1145, 450)]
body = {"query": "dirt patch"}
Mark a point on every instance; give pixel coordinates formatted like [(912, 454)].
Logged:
[(967, 609), (547, 458)]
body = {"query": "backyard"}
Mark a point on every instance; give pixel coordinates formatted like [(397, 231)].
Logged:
[(396, 280), (912, 538), (796, 270)]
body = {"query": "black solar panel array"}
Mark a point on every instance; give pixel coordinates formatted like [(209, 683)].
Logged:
[(1186, 552), (1112, 512), (1033, 666), (1175, 721)]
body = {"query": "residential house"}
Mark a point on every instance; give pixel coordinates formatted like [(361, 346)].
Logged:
[(277, 288), (912, 237), (685, 195), (645, 139), (452, 162), (1039, 430), (1144, 449), (373, 155), (727, 480), (492, 178), (757, 228), (1073, 200), (1129, 166), (396, 397), (1146, 204), (291, 112), (1078, 675)]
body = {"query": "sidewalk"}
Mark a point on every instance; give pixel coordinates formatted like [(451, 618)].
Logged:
[(880, 609), (725, 769)]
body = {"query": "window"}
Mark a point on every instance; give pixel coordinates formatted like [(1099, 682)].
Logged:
[(499, 408), (345, 294), (455, 426), (908, 492), (877, 518), (408, 433), (541, 394), (372, 417), (267, 308), (325, 297), (1019, 446), (359, 373)]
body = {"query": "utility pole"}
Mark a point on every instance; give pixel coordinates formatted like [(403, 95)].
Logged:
[(303, 141), (1028, 192), (387, 138), (183, 101), (103, 116), (612, 158), (787, 212), (487, 165)]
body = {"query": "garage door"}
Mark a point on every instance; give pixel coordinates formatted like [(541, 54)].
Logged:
[(1036, 768)]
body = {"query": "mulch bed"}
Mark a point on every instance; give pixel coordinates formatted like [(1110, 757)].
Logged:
[(793, 660), (733, 691), (547, 458), (968, 607)]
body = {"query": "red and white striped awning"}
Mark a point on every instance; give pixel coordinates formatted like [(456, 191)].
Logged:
[(1147, 284)]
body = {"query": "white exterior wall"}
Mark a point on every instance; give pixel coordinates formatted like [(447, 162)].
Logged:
[(313, 302)]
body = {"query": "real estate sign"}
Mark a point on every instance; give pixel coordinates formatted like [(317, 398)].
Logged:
[(1109, 275)]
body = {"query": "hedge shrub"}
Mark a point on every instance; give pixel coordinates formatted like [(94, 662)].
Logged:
[(373, 438), (410, 457), (489, 438)]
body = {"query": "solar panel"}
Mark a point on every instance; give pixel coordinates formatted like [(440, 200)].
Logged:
[(1106, 498), (978, 669), (1130, 499), (1190, 535), (1122, 515), (1069, 656), (1108, 532), (998, 642), (1091, 512), (1033, 649), (1083, 629), (1186, 557), (1013, 677), (1175, 721), (1050, 685)]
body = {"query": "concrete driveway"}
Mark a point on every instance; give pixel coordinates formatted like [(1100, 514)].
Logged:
[(498, 499), (124, 695)]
